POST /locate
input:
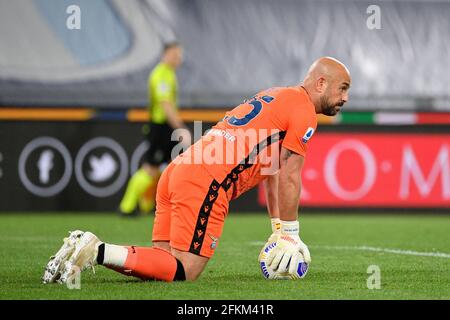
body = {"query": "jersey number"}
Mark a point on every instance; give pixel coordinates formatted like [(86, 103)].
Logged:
[(257, 107)]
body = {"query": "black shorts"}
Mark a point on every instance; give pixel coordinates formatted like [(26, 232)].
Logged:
[(161, 145)]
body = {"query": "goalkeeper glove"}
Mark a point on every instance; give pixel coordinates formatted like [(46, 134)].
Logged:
[(276, 232), (286, 255)]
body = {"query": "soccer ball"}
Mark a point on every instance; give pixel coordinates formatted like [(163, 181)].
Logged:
[(268, 273)]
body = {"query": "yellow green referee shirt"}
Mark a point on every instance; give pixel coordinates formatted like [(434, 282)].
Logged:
[(162, 86)]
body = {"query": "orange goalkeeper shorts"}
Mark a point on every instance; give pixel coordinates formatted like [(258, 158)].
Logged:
[(190, 209)]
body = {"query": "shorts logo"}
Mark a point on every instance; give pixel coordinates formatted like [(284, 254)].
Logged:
[(214, 241), (308, 135)]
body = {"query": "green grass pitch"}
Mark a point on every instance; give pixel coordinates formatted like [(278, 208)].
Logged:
[(342, 248)]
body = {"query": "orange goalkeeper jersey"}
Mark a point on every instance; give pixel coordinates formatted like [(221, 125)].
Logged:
[(244, 147)]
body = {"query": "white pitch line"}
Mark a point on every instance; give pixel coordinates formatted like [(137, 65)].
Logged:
[(374, 249), (394, 251)]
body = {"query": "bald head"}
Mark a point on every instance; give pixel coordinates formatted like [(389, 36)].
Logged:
[(327, 83), (329, 68)]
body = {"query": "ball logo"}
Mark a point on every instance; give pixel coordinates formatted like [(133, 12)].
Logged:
[(308, 134), (302, 268)]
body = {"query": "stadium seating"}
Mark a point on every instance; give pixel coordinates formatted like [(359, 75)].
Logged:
[(232, 50)]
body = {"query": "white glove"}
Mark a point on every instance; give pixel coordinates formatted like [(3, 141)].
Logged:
[(276, 232), (285, 256)]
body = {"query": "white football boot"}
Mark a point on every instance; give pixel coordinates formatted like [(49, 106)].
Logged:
[(56, 263), (84, 256)]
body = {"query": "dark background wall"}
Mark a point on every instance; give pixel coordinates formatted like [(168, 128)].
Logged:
[(84, 166)]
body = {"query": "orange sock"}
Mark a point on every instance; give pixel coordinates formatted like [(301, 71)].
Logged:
[(151, 263)]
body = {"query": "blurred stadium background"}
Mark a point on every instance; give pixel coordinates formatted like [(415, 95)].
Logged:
[(73, 101)]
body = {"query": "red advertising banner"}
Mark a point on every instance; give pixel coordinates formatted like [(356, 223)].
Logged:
[(376, 170)]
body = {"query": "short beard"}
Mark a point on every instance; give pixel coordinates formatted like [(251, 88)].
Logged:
[(327, 108)]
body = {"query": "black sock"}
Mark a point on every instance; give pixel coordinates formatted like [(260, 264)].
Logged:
[(179, 274), (101, 253)]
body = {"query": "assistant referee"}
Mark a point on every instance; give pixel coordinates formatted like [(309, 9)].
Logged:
[(164, 119)]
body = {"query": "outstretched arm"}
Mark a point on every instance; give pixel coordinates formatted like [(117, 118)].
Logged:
[(172, 115), (176, 122), (290, 182), (285, 256), (271, 192)]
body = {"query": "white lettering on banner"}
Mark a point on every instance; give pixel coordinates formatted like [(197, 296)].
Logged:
[(330, 175), (411, 171)]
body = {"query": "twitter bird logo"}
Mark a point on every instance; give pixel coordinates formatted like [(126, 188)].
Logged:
[(102, 168)]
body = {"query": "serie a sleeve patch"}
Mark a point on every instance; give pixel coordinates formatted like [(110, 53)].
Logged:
[(308, 134)]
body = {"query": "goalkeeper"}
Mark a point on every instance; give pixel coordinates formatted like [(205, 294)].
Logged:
[(193, 197)]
